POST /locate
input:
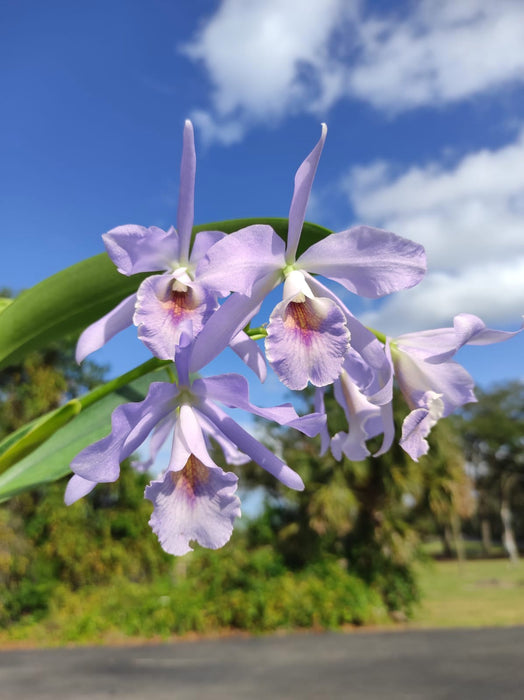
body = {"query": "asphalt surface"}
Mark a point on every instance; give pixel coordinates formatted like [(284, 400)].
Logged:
[(433, 665)]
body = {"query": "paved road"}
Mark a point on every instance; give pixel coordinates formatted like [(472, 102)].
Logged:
[(433, 665)]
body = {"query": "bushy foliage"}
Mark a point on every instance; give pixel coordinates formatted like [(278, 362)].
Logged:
[(218, 591), (364, 513), (102, 537)]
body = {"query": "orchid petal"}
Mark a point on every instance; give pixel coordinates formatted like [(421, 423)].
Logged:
[(377, 368), (196, 503), (226, 323), (450, 380), (193, 436), (387, 427), (311, 424), (131, 423), (100, 332), (180, 450), (471, 330), (162, 310), (307, 341), (241, 259), (77, 488), (321, 410), (139, 249), (367, 261), (250, 353), (435, 345), (202, 243), (303, 183), (440, 344), (186, 191), (233, 391), (362, 417), (231, 452), (417, 425), (252, 447), (159, 436)]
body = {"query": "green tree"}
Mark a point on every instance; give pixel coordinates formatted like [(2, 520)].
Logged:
[(492, 433), (43, 380), (446, 497), (43, 543), (365, 513)]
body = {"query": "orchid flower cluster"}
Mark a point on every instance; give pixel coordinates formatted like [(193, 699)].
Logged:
[(201, 295)]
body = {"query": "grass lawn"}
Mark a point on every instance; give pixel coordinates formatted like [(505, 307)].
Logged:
[(477, 593)]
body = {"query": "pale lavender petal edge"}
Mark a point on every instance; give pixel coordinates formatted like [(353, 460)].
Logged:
[(315, 354), (186, 192), (201, 508), (250, 354), (77, 488), (100, 332), (243, 258), (367, 261), (131, 423), (252, 447), (303, 183)]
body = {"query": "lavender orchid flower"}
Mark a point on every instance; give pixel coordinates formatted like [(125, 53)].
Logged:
[(194, 498), (364, 390), (308, 335), (432, 383), (367, 416), (164, 302)]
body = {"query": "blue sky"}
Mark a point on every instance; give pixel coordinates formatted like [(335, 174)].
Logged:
[(424, 103)]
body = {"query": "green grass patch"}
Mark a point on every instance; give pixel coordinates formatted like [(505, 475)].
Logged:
[(478, 593)]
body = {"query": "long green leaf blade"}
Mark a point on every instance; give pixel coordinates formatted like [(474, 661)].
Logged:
[(60, 305), (30, 436), (50, 461)]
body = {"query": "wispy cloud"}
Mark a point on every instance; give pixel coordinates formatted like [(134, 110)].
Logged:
[(266, 59), (439, 52), (470, 218)]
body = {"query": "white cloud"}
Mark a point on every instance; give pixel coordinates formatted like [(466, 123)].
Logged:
[(270, 58), (442, 51), (469, 217)]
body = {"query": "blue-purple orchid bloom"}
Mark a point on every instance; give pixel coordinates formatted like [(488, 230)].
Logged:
[(194, 499), (432, 383), (311, 337), (165, 302), (308, 335)]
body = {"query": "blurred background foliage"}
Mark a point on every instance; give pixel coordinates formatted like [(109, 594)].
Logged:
[(343, 551)]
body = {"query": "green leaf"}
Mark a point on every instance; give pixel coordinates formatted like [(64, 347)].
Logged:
[(30, 436), (50, 461), (69, 301), (60, 305), (4, 303)]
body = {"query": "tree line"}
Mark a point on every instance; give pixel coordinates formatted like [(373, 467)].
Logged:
[(367, 518)]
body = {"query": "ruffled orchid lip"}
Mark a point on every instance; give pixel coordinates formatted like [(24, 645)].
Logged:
[(307, 341), (194, 504)]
